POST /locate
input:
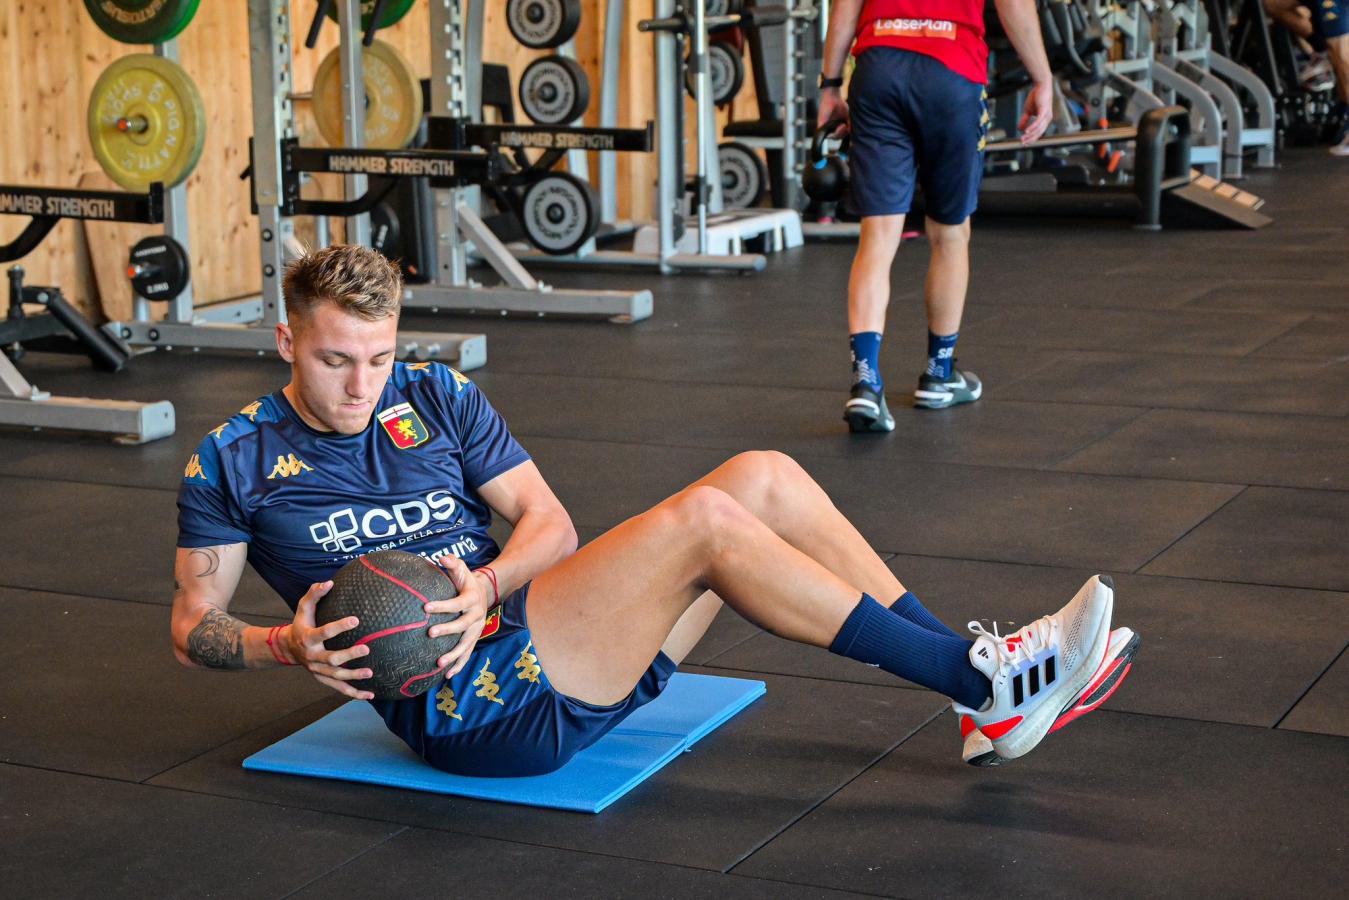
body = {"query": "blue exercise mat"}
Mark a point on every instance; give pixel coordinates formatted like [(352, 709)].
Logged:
[(352, 744)]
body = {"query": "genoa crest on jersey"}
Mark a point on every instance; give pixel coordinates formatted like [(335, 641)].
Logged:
[(403, 425)]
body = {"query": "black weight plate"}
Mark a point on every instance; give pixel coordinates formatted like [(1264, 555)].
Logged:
[(554, 90), (158, 268), (725, 71), (543, 24), (559, 212), (141, 21), (743, 175)]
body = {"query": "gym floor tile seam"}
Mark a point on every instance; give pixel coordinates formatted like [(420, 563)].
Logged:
[(1191, 529), (337, 867), (1315, 681), (1053, 464)]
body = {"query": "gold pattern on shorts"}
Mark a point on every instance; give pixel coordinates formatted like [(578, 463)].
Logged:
[(528, 664), (486, 683), (447, 703)]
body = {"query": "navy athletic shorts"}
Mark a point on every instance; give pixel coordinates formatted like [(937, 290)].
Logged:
[(914, 122), (499, 716), (1330, 18)]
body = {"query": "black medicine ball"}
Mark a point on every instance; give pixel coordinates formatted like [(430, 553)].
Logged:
[(386, 590)]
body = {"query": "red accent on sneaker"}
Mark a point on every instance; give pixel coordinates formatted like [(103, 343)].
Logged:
[(967, 727), (1078, 712), (996, 730)]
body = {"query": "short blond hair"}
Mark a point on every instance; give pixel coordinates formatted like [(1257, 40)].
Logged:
[(356, 279)]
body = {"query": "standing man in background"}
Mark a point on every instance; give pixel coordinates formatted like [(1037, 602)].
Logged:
[(918, 117)]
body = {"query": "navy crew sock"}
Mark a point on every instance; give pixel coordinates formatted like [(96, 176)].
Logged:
[(873, 635), (909, 607), (941, 352), (866, 354)]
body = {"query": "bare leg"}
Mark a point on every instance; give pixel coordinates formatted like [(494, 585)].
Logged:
[(948, 275), (776, 490), (869, 282), (599, 617), (1337, 49)]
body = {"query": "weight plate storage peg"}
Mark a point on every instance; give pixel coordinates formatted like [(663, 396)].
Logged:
[(543, 24), (560, 212), (743, 175), (146, 122), (141, 21), (158, 268), (554, 90), (393, 98), (394, 10)]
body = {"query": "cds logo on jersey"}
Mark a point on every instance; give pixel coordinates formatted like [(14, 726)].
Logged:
[(403, 426), (347, 529)]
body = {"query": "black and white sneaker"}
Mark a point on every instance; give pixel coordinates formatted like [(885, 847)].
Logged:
[(866, 410), (936, 393)]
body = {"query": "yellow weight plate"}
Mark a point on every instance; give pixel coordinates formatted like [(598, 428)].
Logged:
[(393, 98), (146, 122)]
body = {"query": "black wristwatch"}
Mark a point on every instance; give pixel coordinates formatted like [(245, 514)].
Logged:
[(830, 82)]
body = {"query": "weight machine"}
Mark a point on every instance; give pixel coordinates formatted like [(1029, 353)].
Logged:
[(25, 405), (461, 234)]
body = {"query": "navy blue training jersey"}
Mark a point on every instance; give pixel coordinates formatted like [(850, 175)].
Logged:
[(307, 502)]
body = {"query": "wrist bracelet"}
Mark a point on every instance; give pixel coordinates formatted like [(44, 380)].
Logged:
[(271, 636), (496, 592)]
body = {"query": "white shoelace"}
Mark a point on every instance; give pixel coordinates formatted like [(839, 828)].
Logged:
[(1030, 640)]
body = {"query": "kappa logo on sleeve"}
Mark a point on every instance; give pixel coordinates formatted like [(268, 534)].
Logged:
[(916, 28), (403, 426)]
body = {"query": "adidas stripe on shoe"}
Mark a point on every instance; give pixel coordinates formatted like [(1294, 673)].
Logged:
[(977, 750)]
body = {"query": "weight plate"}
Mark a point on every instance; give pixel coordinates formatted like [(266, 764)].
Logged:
[(393, 98), (543, 24), (743, 175), (393, 11), (725, 71), (146, 122), (560, 212), (554, 90), (158, 268), (141, 21)]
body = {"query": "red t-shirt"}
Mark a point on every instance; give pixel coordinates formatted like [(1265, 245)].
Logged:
[(949, 30)]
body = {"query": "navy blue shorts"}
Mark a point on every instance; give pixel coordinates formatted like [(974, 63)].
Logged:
[(1330, 18), (500, 716), (914, 122)]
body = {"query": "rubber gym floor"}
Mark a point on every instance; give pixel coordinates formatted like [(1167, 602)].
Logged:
[(1169, 408)]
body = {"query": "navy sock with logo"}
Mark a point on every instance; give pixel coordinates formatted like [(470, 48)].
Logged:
[(941, 352), (909, 607), (874, 635), (866, 354)]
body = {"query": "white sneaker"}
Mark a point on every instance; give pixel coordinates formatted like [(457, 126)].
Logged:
[(977, 750), (1342, 148), (1038, 671)]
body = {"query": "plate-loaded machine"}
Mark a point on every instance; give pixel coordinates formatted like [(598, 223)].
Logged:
[(23, 404), (250, 324), (461, 234)]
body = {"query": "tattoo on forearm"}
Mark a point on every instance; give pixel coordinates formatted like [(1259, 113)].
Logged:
[(210, 560), (217, 642)]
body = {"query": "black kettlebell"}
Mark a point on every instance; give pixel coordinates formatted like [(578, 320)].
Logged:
[(825, 179)]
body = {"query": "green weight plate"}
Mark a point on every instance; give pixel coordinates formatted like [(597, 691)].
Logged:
[(393, 98), (142, 21), (393, 11), (146, 122)]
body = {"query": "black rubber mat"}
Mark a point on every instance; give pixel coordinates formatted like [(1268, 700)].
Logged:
[(1269, 295), (1113, 806), (1323, 338), (418, 862), (1325, 708), (1251, 384), (126, 709), (75, 836), (1306, 548), (1282, 451)]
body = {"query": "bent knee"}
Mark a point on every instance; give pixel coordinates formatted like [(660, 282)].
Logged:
[(706, 511)]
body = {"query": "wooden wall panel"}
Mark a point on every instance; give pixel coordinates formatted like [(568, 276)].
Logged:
[(51, 54)]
